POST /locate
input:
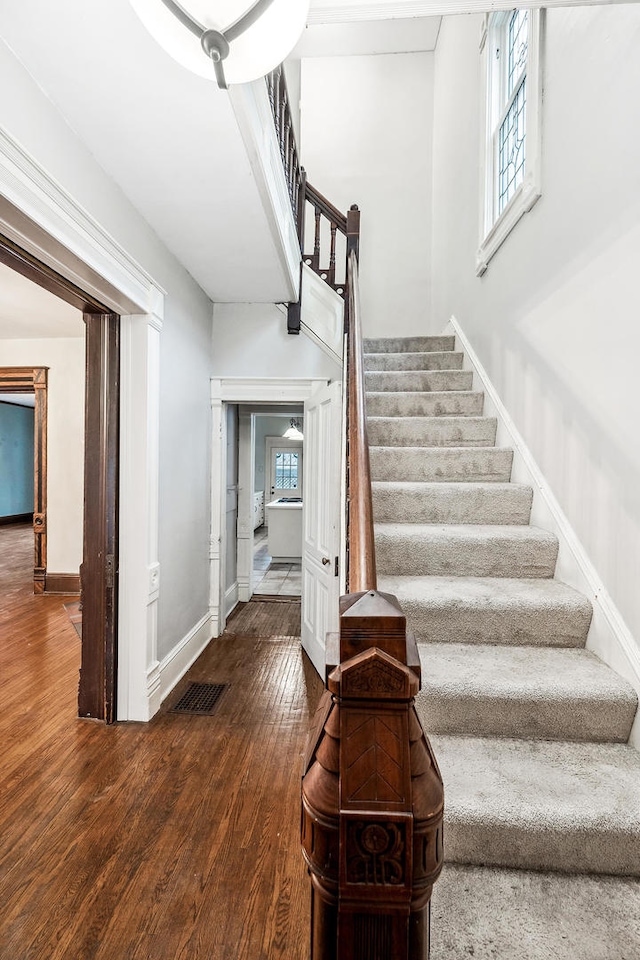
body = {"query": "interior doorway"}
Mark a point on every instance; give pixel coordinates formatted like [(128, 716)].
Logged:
[(99, 568)]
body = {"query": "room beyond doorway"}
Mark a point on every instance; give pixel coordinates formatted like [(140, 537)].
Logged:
[(273, 577)]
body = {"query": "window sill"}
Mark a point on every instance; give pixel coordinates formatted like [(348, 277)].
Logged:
[(521, 202)]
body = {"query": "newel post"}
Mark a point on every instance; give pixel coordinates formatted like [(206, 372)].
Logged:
[(372, 797)]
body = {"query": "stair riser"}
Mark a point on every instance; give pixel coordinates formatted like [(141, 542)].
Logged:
[(408, 344), (444, 504), (597, 721), (491, 557), (431, 431), (419, 382), (413, 361), (447, 404), (490, 465), (564, 849)]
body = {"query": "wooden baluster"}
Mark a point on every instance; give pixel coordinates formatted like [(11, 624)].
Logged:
[(331, 279), (315, 265)]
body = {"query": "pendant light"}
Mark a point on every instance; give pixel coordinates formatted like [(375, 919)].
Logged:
[(293, 432), (235, 41)]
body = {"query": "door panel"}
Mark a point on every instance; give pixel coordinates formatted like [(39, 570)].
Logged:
[(321, 520)]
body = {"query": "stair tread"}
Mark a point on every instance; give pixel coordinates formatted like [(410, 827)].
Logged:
[(483, 592), (432, 431), (533, 611), (428, 420), (466, 531), (441, 464), (541, 804), (418, 360), (482, 550), (438, 342), (541, 915), (595, 784), (490, 670), (439, 403), (426, 486), (409, 381), (552, 693)]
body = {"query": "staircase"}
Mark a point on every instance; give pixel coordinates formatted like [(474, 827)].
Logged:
[(530, 729)]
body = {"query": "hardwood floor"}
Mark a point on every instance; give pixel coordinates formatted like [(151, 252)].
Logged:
[(173, 840)]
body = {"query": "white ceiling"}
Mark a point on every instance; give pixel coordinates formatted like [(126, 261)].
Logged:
[(168, 137), (29, 312), (365, 37)]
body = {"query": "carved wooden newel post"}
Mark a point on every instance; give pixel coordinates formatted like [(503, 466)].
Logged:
[(372, 797)]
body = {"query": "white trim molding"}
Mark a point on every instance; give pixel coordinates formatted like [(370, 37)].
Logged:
[(494, 229), (38, 214), (609, 637), (254, 390), (264, 389), (30, 189), (349, 11), (174, 666)]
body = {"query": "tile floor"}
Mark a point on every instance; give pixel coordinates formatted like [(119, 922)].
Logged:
[(269, 577)]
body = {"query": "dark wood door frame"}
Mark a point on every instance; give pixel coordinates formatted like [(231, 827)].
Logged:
[(99, 571), (34, 380)]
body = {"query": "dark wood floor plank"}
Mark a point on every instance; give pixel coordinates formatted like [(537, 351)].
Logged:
[(174, 840)]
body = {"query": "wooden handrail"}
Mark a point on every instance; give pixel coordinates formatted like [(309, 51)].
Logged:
[(327, 208), (360, 535)]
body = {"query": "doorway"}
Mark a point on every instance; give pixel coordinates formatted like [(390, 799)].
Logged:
[(98, 571)]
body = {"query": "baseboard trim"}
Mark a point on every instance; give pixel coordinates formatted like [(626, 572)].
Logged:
[(230, 599), (174, 666), (609, 637), (66, 583), (16, 518)]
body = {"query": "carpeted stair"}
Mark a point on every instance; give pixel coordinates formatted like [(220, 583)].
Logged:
[(530, 729)]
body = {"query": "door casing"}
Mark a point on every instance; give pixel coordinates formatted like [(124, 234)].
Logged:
[(97, 688)]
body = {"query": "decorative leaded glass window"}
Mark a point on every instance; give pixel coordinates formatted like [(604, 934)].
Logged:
[(510, 46), (286, 470)]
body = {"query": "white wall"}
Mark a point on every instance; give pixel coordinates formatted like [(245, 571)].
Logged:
[(555, 318), (251, 340), (65, 441), (184, 509), (367, 139)]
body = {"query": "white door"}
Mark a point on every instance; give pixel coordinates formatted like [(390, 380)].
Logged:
[(321, 520)]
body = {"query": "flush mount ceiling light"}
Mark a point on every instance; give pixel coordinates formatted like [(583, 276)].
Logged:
[(293, 432), (243, 39)]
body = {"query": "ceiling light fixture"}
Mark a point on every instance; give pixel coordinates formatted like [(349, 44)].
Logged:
[(293, 432), (244, 40)]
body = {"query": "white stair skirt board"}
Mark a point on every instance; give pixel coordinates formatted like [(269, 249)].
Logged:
[(529, 727), (609, 637), (322, 314)]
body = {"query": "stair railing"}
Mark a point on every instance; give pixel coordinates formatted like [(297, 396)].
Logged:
[(361, 550), (372, 798)]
